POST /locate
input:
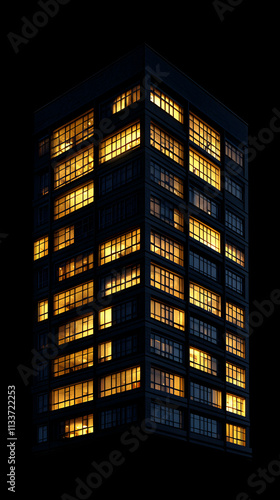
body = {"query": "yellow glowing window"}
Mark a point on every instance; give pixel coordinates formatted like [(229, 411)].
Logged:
[(77, 166), (166, 281), (71, 134), (75, 330), (235, 344), (70, 395), (236, 434), (43, 307), (105, 351), (63, 237), (235, 375), (123, 381), (236, 404), (168, 105), (204, 169), (74, 297), (167, 248), (125, 140), (206, 299), (233, 253), (41, 247), (166, 144), (120, 280), (118, 247), (105, 318), (204, 234), (75, 266), (205, 136), (203, 361), (78, 426), (167, 314), (73, 362), (235, 315), (126, 99), (167, 382), (73, 200)]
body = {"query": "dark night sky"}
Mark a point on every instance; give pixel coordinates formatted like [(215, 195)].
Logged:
[(235, 59)]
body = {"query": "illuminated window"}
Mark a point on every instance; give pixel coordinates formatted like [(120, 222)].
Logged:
[(167, 314), (75, 266), (166, 415), (167, 248), (43, 307), (205, 426), (234, 281), (204, 203), (236, 434), (166, 179), (167, 281), (70, 395), (201, 297), (123, 381), (75, 330), (105, 351), (207, 395), (233, 253), (63, 237), (166, 348), (167, 104), (205, 136), (125, 140), (234, 153), (167, 382), (117, 314), (74, 297), (78, 426), (120, 280), (236, 404), (73, 200), (235, 344), (77, 166), (71, 134), (204, 169), (166, 144), (118, 247), (41, 247), (234, 223), (126, 99), (72, 362), (203, 361), (203, 266), (167, 212), (204, 234), (235, 315), (235, 375), (203, 330)]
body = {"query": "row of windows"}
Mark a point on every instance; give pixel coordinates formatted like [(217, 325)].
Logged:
[(159, 413), (160, 380), (160, 278)]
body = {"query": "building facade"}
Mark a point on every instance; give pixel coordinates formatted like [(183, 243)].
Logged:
[(141, 260)]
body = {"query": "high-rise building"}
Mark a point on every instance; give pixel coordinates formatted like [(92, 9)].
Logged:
[(141, 260)]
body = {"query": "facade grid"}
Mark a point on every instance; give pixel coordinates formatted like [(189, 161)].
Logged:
[(140, 260)]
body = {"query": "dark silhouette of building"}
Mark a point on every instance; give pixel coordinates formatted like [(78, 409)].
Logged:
[(141, 261)]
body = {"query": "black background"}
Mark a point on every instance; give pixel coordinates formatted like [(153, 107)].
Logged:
[(233, 55)]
